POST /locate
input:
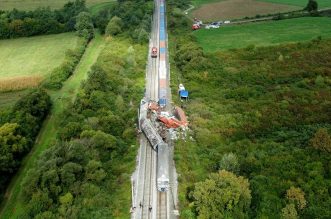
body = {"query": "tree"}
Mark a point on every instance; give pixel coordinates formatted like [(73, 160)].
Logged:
[(223, 195), (289, 212), (114, 26), (311, 6), (12, 145), (84, 25), (229, 162), (297, 197), (321, 140)]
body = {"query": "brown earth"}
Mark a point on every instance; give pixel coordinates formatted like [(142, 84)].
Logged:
[(231, 9)]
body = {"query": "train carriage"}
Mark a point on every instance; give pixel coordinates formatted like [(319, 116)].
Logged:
[(163, 95), (162, 167)]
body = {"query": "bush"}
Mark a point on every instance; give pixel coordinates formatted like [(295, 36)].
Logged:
[(84, 26), (114, 26)]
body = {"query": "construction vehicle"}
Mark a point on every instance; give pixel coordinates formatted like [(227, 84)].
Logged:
[(154, 52), (183, 94)]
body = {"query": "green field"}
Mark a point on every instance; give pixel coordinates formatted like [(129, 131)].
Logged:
[(61, 98), (33, 4), (264, 34), (9, 99), (33, 56), (303, 3), (198, 3)]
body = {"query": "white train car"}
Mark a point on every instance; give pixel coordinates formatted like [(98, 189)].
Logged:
[(163, 167)]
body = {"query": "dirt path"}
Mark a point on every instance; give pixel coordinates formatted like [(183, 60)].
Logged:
[(12, 207)]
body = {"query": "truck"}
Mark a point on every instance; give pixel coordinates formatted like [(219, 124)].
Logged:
[(183, 94), (154, 52)]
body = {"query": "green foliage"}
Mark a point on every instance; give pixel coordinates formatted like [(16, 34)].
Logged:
[(311, 6), (12, 144), (289, 212), (129, 18), (229, 163), (84, 26), (297, 197), (40, 21), (265, 110), (90, 165), (114, 26), (66, 69), (321, 140), (222, 195), (18, 131)]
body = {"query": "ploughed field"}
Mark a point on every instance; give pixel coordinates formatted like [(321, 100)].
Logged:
[(264, 34), (33, 4), (26, 61), (230, 9)]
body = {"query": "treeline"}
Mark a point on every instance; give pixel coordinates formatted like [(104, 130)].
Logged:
[(19, 128), (16, 23), (259, 113), (59, 75), (86, 174), (128, 17)]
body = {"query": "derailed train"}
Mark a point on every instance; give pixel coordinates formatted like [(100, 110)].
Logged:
[(162, 167), (154, 138)]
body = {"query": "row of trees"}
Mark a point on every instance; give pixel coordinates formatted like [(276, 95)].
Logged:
[(131, 18), (17, 23), (18, 130), (81, 176), (60, 74), (260, 113)]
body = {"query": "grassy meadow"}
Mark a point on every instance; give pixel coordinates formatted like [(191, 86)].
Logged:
[(301, 3), (264, 34), (26, 61), (7, 100), (198, 3), (33, 4)]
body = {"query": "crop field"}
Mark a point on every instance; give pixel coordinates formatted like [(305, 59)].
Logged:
[(33, 4), (301, 3), (26, 61), (264, 34), (231, 9)]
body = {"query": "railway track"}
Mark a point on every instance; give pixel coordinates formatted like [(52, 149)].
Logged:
[(162, 212), (147, 201)]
